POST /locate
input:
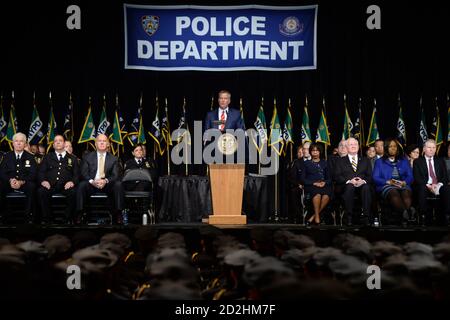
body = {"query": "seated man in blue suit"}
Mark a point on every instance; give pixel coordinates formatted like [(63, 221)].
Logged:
[(231, 118)]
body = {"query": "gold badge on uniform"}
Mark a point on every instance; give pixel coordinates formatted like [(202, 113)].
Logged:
[(147, 164), (27, 163), (69, 162)]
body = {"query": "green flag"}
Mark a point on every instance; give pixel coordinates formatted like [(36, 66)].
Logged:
[(348, 125), (104, 124), (35, 133), (287, 129), (12, 128), (373, 129), (305, 131), (88, 131), (261, 128), (322, 135), (141, 132), (116, 135), (275, 131), (51, 130)]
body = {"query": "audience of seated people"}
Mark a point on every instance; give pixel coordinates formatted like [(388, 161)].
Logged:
[(214, 264)]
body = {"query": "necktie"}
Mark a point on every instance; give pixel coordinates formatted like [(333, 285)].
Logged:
[(222, 118), (431, 171), (101, 166), (354, 164), (60, 157), (139, 162), (18, 157)]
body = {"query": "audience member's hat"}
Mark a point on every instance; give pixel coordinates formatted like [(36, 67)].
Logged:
[(35, 251), (281, 238), (412, 248), (94, 258), (118, 238), (264, 270), (172, 269), (300, 241), (442, 252), (57, 245), (346, 266), (383, 249), (297, 258), (241, 257)]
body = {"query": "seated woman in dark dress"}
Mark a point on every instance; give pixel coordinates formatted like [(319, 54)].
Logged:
[(317, 181), (393, 176)]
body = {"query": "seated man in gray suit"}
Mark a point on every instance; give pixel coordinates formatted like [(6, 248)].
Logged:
[(100, 172)]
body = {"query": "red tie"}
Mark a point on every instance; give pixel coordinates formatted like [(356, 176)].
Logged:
[(431, 171), (222, 118)]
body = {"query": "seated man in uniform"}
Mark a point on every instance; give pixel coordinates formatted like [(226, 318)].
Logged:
[(58, 173), (18, 172), (140, 162), (100, 172)]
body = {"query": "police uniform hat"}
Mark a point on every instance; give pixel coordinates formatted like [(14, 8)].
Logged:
[(225, 249), (241, 257), (57, 244), (169, 253), (264, 270), (354, 245), (442, 252), (323, 256), (300, 241), (348, 266), (382, 249), (297, 258), (412, 248), (9, 253), (94, 258), (117, 238), (172, 269), (33, 249), (171, 240), (281, 238)]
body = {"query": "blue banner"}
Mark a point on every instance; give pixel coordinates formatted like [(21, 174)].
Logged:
[(225, 38)]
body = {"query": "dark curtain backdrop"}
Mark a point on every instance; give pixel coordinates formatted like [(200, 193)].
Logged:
[(408, 56)]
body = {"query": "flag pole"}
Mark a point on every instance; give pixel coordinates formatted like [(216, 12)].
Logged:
[(185, 154), (167, 141)]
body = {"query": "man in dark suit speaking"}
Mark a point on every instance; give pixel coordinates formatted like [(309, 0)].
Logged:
[(224, 117)]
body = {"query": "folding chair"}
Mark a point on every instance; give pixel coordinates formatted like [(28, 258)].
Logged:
[(141, 202)]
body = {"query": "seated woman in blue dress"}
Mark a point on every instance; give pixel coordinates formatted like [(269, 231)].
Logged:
[(317, 181), (393, 176)]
